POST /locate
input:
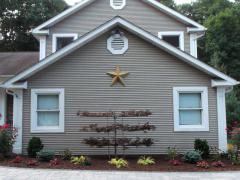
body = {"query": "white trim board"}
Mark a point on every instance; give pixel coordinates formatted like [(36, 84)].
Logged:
[(174, 33), (41, 29), (34, 100), (59, 35), (204, 105), (118, 21)]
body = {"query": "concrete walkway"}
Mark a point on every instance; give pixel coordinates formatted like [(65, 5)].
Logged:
[(39, 174)]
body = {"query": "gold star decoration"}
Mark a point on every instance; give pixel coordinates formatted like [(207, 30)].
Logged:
[(118, 76)]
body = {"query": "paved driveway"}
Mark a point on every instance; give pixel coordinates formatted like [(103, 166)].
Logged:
[(37, 174)]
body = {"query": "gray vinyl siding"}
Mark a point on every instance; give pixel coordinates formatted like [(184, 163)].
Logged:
[(153, 74), (136, 11)]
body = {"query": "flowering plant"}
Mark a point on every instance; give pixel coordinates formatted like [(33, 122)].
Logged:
[(234, 133), (8, 136)]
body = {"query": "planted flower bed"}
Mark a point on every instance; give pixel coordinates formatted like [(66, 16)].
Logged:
[(102, 163)]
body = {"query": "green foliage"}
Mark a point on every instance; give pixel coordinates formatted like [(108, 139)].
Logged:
[(119, 163), (203, 147), (45, 155), (233, 108), (81, 160), (169, 3), (172, 153), (34, 145), (7, 139), (18, 17), (222, 40), (67, 154), (145, 161), (192, 157)]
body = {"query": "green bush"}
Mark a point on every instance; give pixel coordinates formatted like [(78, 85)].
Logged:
[(192, 157), (67, 154), (81, 160), (45, 155), (34, 145), (145, 161), (119, 163), (203, 147), (7, 139)]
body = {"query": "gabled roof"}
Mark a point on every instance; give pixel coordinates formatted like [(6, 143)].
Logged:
[(84, 3), (118, 21), (12, 63)]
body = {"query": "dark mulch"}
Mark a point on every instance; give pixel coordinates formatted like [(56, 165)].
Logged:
[(101, 163)]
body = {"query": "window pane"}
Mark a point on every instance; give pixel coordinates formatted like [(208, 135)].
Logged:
[(47, 102), (190, 100), (48, 119), (173, 40), (190, 117), (64, 41)]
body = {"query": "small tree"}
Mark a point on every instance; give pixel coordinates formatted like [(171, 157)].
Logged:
[(115, 141)]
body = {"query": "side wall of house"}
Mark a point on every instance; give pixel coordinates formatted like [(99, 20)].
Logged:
[(136, 11), (153, 74)]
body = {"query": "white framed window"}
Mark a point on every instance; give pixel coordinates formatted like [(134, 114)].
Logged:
[(190, 108), (175, 38), (117, 44), (118, 4), (47, 110), (59, 41)]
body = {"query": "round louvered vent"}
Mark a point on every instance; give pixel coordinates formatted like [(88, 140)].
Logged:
[(117, 44), (117, 4)]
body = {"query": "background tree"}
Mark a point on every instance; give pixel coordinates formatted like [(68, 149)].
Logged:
[(18, 17)]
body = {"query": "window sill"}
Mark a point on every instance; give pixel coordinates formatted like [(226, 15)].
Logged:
[(47, 130), (191, 129)]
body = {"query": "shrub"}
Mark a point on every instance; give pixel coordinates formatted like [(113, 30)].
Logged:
[(119, 163), (218, 164), (172, 153), (145, 161), (34, 145), (67, 154), (17, 159), (81, 160), (202, 146), (203, 164), (45, 155), (192, 157), (175, 162), (7, 139)]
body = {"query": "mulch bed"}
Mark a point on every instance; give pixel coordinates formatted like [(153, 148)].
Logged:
[(101, 163)]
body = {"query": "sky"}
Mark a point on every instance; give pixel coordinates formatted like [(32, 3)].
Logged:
[(72, 2)]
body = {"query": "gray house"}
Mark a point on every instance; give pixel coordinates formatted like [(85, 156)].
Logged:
[(115, 55)]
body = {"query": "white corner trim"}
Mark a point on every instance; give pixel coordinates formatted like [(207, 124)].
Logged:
[(174, 33), (112, 4), (84, 3), (222, 83), (59, 35), (21, 85), (17, 119), (118, 21), (42, 47), (205, 117), (118, 51), (3, 108), (34, 127), (193, 45), (221, 115)]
